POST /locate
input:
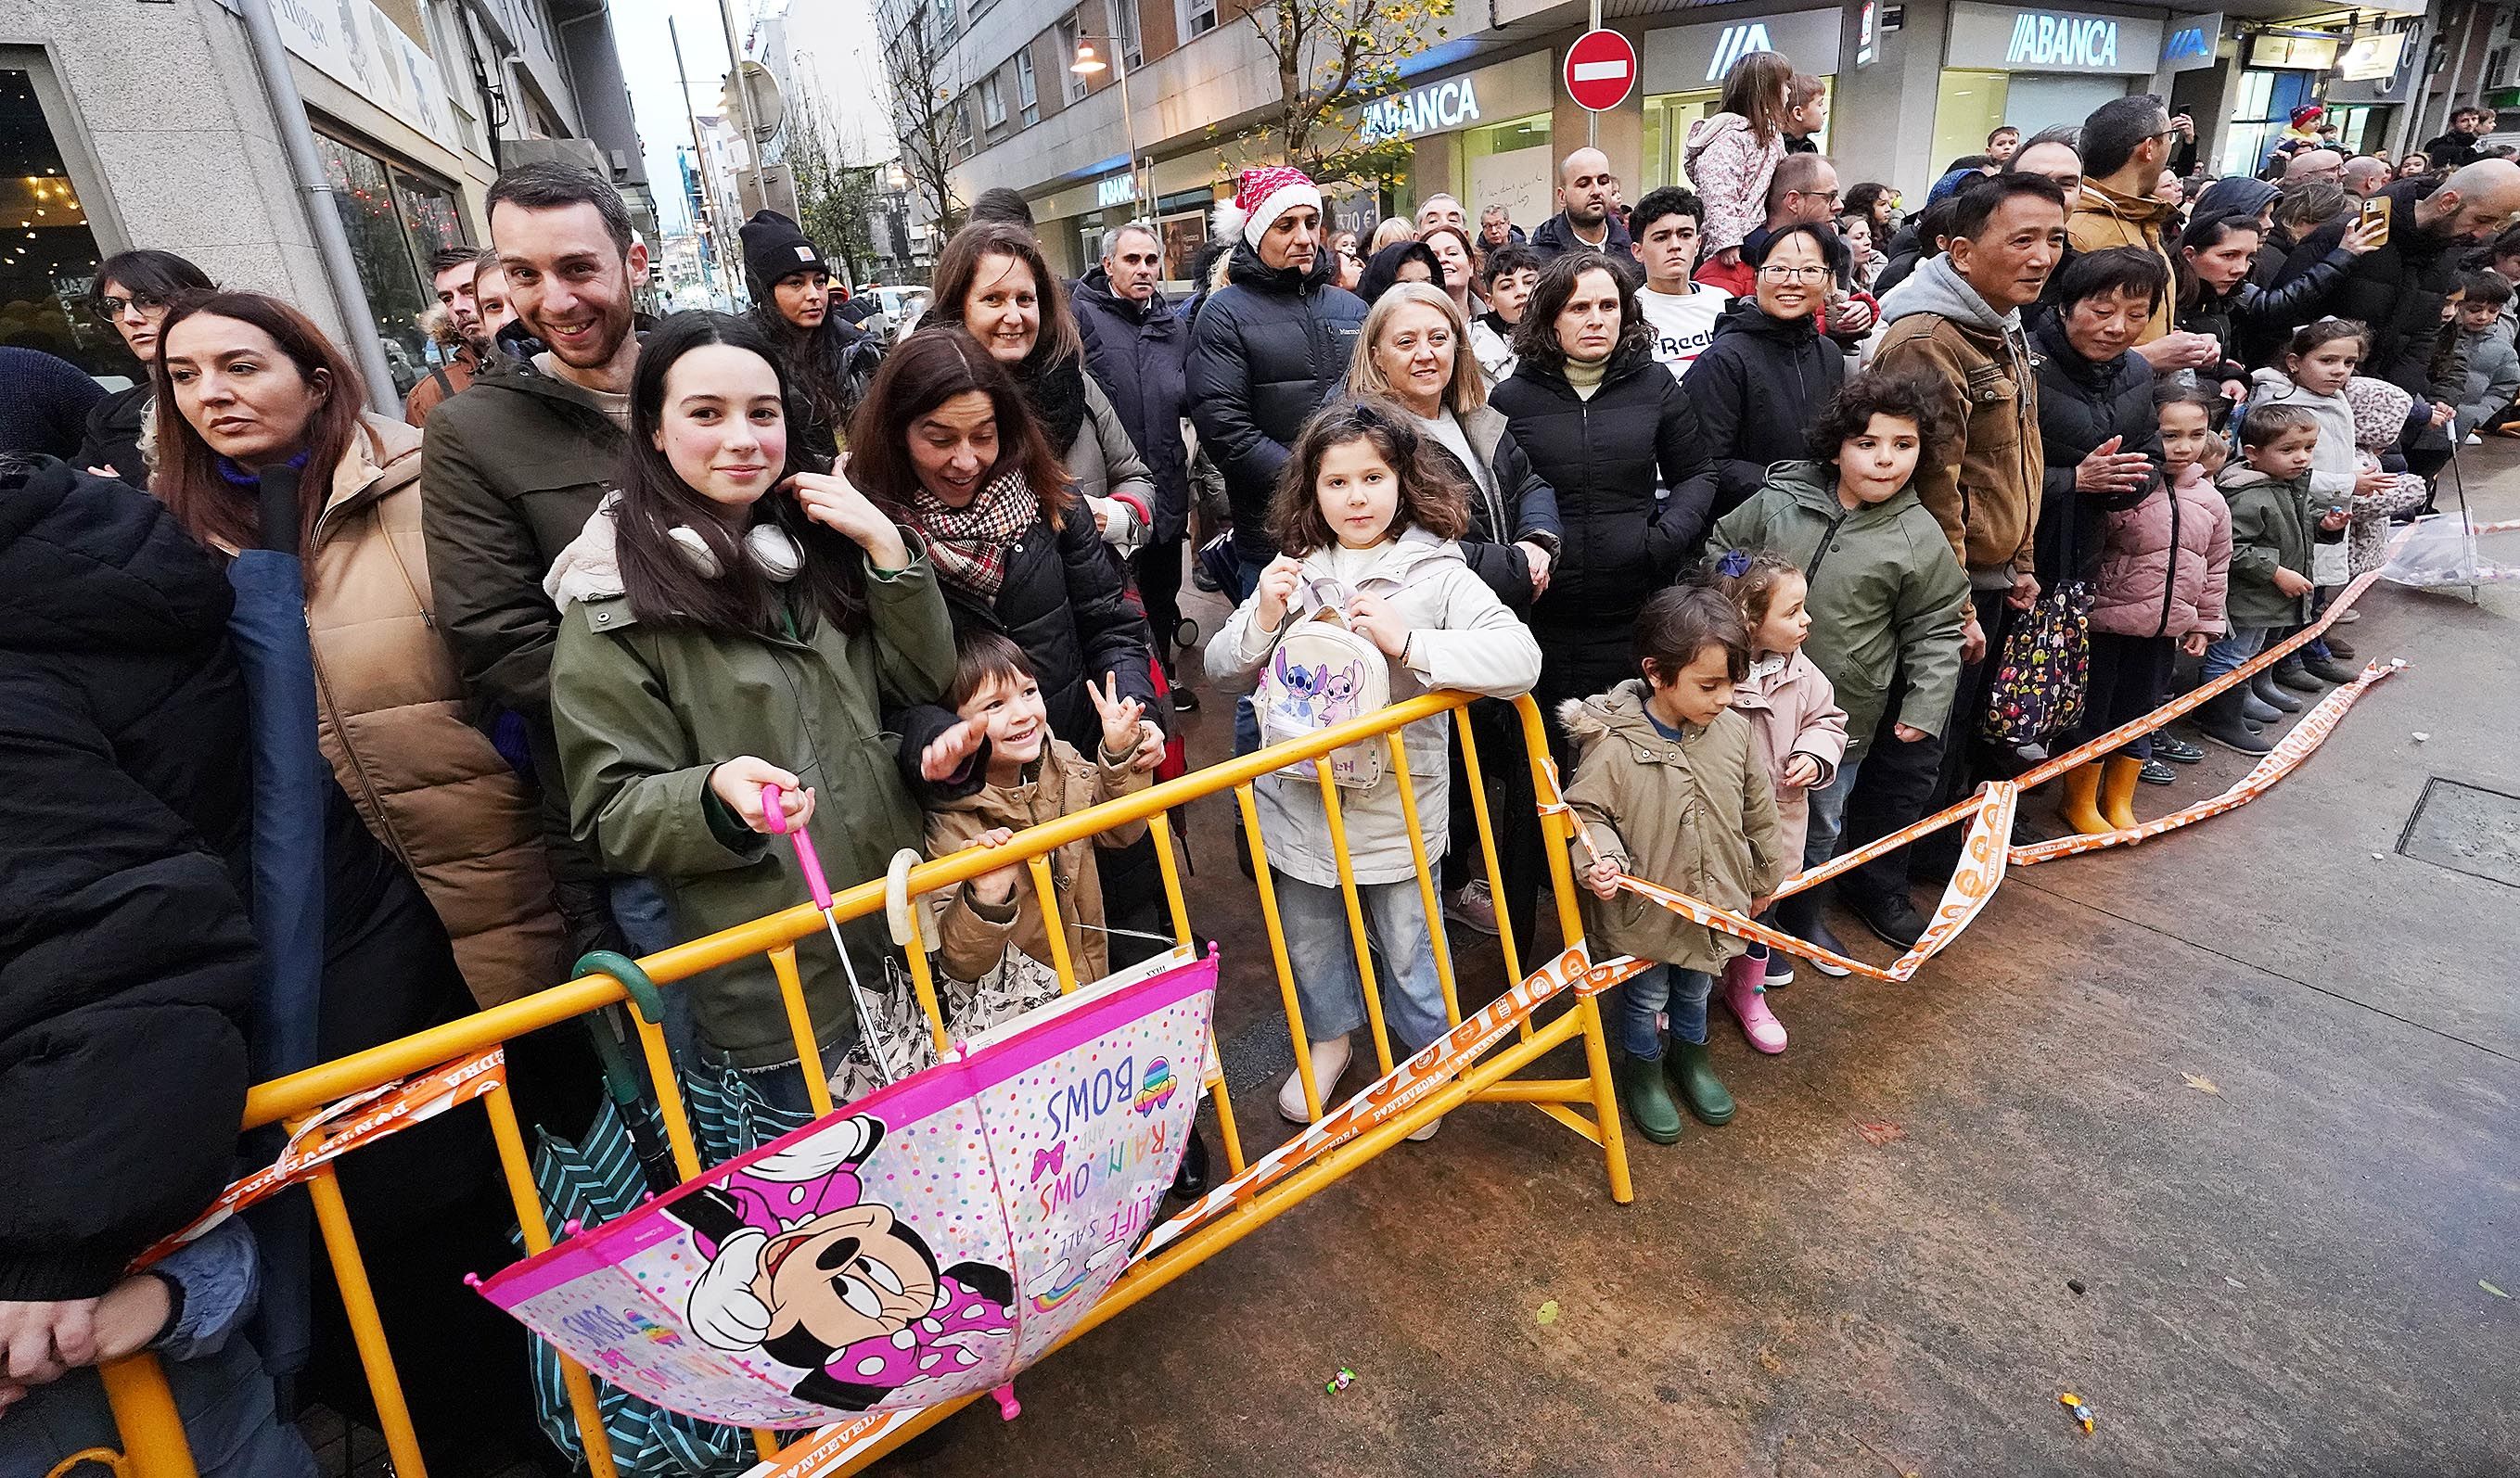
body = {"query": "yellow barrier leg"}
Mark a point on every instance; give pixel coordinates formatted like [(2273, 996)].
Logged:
[(1428, 892), (1054, 924), (1277, 950), (800, 1025), (154, 1445), (1356, 934), (367, 1329), (1605, 1100), (536, 1231)]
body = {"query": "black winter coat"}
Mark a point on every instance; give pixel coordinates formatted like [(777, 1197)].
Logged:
[(1618, 542), (1265, 351), (1139, 356), (2397, 289), (1555, 236), (114, 426), (2081, 404), (1066, 601), (2250, 313), (1756, 389), (127, 967)]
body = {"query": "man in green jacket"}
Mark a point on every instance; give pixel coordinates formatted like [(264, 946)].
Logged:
[(515, 466)]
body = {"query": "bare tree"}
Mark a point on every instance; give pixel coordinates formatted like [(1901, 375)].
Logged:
[(834, 197), (1333, 57), (924, 116)]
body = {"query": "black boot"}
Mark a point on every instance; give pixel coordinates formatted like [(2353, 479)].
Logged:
[(2327, 671), (2270, 693), (2289, 674), (1892, 916), (1190, 1182), (2218, 720), (1799, 916)]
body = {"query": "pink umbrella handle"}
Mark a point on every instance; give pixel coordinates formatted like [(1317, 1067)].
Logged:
[(1008, 1409), (776, 819)]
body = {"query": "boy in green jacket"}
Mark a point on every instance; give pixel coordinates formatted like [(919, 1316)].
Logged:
[(1886, 599), (2271, 531)]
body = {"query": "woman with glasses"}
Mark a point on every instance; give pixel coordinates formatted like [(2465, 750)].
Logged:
[(1763, 380), (132, 292)]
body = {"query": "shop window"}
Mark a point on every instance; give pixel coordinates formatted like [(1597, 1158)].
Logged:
[(47, 255), (1027, 87), (395, 220), (1971, 105), (1511, 164), (1183, 234), (2261, 114)]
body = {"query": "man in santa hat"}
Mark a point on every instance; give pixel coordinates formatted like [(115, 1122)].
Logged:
[(1268, 348)]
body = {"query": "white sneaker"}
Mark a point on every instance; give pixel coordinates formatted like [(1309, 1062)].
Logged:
[(1330, 1062), (1427, 1133), (2473, 440)]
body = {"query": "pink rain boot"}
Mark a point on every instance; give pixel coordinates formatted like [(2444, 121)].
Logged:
[(1746, 991)]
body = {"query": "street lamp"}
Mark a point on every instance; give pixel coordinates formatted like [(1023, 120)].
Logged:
[(1087, 65)]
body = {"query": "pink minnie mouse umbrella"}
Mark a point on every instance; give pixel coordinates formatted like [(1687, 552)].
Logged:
[(925, 1245)]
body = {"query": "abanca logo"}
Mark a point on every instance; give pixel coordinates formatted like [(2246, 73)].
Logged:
[(2040, 40), (1736, 42), (2188, 43)]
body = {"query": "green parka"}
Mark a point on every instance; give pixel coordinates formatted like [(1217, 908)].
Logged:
[(2272, 528), (645, 713), (1884, 592)]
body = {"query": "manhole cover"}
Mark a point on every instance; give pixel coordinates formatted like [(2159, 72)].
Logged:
[(2466, 829)]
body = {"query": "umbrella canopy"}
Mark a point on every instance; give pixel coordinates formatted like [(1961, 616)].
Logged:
[(921, 1246)]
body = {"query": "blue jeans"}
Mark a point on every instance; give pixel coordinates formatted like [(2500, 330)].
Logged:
[(2230, 654), (639, 909), (1828, 814), (1323, 957), (1684, 992)]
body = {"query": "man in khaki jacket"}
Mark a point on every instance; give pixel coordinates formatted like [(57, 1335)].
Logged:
[(1957, 322), (2126, 143)]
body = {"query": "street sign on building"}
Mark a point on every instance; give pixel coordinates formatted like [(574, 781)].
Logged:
[(1600, 70)]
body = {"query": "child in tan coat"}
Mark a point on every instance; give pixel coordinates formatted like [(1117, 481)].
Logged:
[(1670, 787), (1033, 777)]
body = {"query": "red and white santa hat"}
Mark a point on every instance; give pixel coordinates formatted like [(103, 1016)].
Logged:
[(1260, 197)]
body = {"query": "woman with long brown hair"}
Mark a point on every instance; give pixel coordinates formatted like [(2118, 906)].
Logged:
[(730, 621), (431, 877), (993, 283)]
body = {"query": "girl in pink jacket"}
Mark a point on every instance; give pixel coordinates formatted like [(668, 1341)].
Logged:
[(1730, 154), (1801, 736), (2163, 573)]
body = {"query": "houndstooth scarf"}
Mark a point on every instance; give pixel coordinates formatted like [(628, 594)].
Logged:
[(967, 545)]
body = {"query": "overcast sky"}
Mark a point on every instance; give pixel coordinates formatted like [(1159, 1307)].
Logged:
[(833, 41)]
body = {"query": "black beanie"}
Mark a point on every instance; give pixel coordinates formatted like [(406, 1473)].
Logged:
[(776, 247)]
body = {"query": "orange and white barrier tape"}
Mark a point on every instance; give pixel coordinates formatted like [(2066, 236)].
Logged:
[(357, 1120), (1408, 1083)]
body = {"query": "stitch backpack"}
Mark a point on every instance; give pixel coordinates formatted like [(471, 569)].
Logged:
[(1324, 672)]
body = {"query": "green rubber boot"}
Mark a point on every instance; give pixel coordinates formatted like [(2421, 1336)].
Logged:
[(1647, 1100), (1705, 1093)]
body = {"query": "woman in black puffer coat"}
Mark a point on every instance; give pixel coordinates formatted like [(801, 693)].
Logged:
[(2102, 442), (1609, 428), (1761, 383)]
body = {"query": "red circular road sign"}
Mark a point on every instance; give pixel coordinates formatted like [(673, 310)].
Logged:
[(1600, 69)]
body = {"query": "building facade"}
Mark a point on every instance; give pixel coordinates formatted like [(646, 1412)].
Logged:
[(154, 130), (1912, 86)]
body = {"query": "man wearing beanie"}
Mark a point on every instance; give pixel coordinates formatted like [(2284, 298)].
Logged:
[(1267, 349)]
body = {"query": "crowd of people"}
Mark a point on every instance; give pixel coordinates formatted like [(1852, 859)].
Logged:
[(1799, 517)]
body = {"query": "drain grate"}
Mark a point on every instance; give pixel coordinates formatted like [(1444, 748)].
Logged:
[(2466, 829)]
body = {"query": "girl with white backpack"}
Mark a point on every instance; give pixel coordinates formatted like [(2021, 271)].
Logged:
[(1371, 602)]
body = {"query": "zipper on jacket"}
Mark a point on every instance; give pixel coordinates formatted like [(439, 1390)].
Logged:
[(2169, 583), (392, 837), (1811, 576)]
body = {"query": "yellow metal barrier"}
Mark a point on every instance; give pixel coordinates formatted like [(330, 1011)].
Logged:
[(154, 1440)]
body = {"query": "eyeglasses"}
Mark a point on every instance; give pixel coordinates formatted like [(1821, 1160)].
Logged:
[(111, 308), (1780, 273)]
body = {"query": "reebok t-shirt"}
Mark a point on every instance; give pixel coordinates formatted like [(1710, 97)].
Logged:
[(1682, 323)]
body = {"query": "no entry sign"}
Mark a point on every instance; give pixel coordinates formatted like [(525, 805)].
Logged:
[(1600, 69)]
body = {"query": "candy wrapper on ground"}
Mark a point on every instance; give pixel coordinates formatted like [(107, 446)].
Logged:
[(924, 1243)]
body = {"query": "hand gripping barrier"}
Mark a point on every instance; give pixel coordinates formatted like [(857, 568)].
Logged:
[(336, 1106)]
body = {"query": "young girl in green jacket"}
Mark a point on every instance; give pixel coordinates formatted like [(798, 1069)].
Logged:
[(731, 622)]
